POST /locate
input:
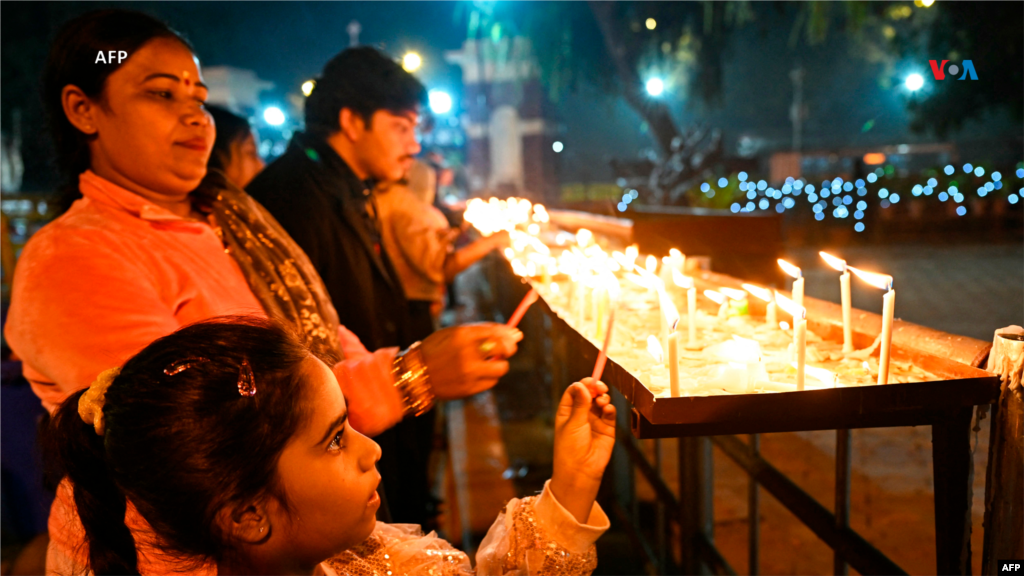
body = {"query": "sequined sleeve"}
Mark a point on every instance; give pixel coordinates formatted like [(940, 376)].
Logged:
[(533, 536)]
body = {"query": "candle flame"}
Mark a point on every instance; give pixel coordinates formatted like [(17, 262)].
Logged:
[(611, 283), (632, 252), (790, 269), (760, 293), (837, 263), (790, 307), (680, 280), (674, 254), (784, 325), (510, 253), (651, 264), (654, 348), (554, 288), (733, 293), (583, 237), (668, 308), (533, 229), (717, 297), (518, 267), (882, 281), (531, 269)]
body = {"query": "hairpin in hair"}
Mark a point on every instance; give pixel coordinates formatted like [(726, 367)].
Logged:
[(246, 380), (181, 365)]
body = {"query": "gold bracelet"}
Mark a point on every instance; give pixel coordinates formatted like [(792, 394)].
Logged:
[(413, 381)]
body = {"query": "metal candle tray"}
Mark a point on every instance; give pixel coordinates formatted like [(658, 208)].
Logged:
[(952, 358)]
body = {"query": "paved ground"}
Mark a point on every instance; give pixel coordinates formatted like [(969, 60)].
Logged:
[(968, 290)]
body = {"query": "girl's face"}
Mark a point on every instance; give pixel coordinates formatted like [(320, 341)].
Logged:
[(152, 134), (245, 162), (328, 472)]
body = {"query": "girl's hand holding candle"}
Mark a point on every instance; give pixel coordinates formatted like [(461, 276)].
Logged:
[(584, 439)]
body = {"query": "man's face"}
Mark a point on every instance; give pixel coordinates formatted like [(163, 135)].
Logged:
[(387, 144)]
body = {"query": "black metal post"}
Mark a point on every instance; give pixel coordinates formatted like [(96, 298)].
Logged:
[(953, 471), (842, 505)]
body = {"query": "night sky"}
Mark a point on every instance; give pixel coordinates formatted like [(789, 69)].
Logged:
[(288, 42)]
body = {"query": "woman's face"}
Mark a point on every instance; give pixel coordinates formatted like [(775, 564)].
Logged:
[(152, 133), (245, 162), (328, 472)]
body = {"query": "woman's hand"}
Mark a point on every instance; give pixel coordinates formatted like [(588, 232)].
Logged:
[(584, 438), (465, 360)]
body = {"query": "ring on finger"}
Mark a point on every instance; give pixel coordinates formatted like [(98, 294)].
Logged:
[(487, 347)]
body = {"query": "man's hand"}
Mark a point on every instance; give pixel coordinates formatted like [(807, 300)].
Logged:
[(584, 438), (465, 360)]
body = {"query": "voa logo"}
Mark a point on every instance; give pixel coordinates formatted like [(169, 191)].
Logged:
[(939, 70)]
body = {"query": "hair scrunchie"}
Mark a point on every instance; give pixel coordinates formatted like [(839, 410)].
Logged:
[(90, 405)]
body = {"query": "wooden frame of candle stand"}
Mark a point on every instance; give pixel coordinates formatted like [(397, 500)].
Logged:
[(946, 405)]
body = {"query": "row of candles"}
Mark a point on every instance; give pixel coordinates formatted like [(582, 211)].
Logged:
[(589, 266)]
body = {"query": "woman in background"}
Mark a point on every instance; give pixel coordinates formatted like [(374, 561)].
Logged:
[(236, 149)]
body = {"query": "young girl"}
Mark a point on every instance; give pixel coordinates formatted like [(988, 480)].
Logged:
[(225, 448)]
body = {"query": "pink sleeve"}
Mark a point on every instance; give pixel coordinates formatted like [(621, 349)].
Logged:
[(365, 378), (79, 307)]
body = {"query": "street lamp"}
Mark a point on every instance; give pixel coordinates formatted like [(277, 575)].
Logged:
[(307, 87), (274, 116), (440, 101), (914, 82), (411, 61), (655, 86)]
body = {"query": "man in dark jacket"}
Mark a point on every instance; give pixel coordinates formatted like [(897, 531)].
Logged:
[(361, 123)]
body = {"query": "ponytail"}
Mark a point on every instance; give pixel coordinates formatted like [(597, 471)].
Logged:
[(77, 452)]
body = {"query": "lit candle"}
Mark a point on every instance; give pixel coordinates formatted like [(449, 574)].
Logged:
[(771, 315), (612, 287), (798, 280), (799, 334), (665, 274), (737, 301), (527, 301), (721, 300), (671, 318), (678, 260), (691, 308), (883, 281), (844, 288), (599, 299)]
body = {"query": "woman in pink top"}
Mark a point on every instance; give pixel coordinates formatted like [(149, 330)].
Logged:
[(155, 243)]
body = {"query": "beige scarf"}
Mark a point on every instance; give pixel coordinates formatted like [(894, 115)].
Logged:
[(277, 270)]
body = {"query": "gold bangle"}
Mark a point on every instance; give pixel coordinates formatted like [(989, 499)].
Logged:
[(413, 381)]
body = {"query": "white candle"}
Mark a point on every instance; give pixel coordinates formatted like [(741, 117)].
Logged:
[(771, 316), (883, 281), (844, 287), (721, 300), (799, 335), (691, 316), (800, 339), (798, 283), (669, 322), (673, 363), (888, 307)]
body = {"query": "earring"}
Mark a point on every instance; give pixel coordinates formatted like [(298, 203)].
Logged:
[(261, 529)]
